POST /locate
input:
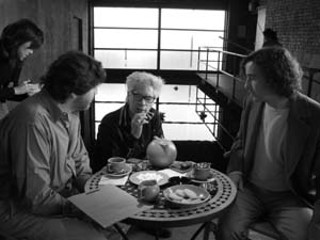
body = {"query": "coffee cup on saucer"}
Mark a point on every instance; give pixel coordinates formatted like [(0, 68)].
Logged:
[(116, 165), (202, 171)]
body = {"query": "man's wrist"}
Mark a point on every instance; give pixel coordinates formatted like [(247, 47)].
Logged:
[(135, 136), (15, 91)]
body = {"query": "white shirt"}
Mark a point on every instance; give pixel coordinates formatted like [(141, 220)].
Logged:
[(268, 169)]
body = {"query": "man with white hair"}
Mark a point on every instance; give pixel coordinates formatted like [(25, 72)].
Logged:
[(127, 131)]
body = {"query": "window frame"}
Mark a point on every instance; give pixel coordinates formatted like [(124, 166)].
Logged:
[(172, 72)]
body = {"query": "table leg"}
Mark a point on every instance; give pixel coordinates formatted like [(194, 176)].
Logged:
[(156, 236), (198, 231), (207, 227), (123, 235), (210, 227)]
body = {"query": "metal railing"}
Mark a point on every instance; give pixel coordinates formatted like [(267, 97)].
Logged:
[(214, 73), (225, 60)]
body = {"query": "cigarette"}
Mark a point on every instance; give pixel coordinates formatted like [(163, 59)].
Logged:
[(149, 115)]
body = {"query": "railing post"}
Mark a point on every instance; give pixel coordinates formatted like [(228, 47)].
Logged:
[(311, 73), (234, 81), (199, 59), (197, 97), (234, 89), (218, 72), (207, 63)]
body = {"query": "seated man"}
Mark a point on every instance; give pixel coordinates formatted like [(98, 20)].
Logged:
[(43, 158), (127, 131), (275, 159)]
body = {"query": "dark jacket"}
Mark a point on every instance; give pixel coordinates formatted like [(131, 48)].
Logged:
[(115, 139), (302, 153), (10, 69)]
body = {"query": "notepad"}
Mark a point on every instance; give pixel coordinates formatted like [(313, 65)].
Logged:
[(108, 205)]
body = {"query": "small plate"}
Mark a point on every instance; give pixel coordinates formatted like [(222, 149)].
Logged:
[(210, 179), (138, 177), (119, 175), (186, 195), (182, 167)]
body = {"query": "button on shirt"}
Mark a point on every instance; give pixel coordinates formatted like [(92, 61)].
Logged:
[(43, 158)]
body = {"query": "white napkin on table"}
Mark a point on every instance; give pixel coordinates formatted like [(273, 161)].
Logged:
[(114, 181), (172, 173)]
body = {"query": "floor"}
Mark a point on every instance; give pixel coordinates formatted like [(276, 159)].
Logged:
[(177, 234), (181, 233)]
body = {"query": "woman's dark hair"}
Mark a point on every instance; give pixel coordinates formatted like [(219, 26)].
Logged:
[(20, 32), (280, 69), (73, 72)]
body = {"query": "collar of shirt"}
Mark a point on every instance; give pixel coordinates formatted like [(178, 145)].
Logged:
[(52, 107)]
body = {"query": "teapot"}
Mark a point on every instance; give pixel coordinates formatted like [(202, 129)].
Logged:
[(161, 152)]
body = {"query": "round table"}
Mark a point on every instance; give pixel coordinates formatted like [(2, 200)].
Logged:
[(161, 215)]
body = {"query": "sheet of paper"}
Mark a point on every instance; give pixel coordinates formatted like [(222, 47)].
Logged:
[(108, 205), (115, 181)]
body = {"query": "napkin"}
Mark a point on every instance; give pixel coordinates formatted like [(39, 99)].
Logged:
[(108, 205), (172, 173), (114, 181)]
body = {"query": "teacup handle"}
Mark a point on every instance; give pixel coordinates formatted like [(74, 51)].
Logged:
[(109, 167)]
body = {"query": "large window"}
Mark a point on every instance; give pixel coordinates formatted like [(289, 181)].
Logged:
[(183, 32), (149, 38), (158, 39)]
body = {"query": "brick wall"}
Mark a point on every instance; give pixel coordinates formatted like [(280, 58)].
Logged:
[(298, 26)]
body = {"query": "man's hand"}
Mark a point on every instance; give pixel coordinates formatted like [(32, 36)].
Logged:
[(137, 123), (33, 88), (22, 88), (27, 87), (236, 178)]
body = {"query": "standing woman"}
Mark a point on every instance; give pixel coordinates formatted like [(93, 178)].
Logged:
[(17, 42)]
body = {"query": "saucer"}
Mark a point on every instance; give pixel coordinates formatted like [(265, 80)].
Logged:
[(211, 178), (186, 195), (182, 167), (126, 171)]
